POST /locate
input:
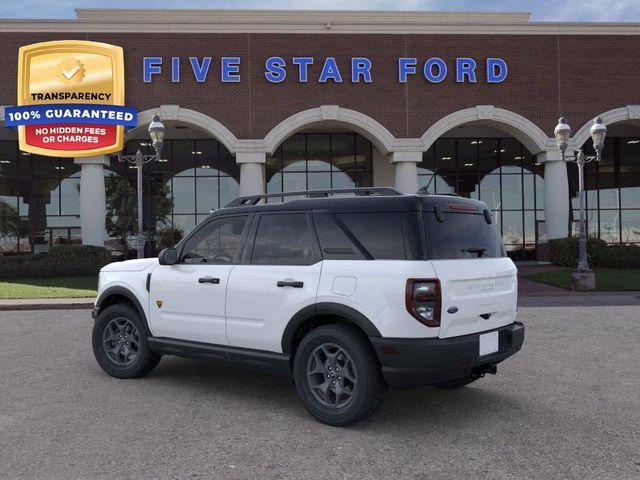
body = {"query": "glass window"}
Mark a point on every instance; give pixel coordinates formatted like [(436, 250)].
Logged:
[(206, 194), (511, 155), (467, 154), (629, 155), (610, 226), (334, 241), (445, 156), (461, 235), (218, 242), (487, 156), (284, 239), (183, 155), (630, 190), (379, 233), (183, 195), (512, 228), (631, 226), (294, 153), (313, 161), (512, 192)]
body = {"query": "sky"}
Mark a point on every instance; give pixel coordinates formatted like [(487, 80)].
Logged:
[(542, 10)]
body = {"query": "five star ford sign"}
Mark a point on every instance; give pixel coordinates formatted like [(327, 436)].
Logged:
[(71, 99)]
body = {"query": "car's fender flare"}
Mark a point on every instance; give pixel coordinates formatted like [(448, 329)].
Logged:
[(326, 308), (125, 292)]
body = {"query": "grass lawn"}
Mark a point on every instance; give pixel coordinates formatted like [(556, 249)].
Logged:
[(70, 287), (607, 279)]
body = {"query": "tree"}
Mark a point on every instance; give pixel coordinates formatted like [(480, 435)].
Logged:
[(9, 221), (122, 208)]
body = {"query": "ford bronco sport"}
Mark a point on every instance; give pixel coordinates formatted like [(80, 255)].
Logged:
[(349, 291)]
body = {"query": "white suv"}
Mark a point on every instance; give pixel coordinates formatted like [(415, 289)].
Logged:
[(348, 294)]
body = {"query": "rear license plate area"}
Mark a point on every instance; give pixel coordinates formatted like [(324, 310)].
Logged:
[(489, 343)]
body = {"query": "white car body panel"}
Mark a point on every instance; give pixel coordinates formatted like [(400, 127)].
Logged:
[(379, 293), (258, 310), (479, 286), (190, 310)]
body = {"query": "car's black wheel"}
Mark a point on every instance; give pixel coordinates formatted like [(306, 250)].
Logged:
[(456, 383), (337, 375), (120, 343)]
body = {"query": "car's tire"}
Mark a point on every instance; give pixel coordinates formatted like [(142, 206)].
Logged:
[(120, 344), (455, 383), (358, 389)]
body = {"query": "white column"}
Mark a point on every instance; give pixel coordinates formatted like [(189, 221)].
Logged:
[(556, 194), (93, 209), (406, 170), (251, 172)]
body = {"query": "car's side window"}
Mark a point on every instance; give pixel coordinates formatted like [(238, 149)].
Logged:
[(284, 239), (379, 232), (217, 243)]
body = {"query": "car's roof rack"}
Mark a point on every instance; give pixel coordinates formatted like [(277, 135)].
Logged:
[(359, 192)]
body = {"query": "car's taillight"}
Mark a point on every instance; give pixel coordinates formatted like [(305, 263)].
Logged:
[(423, 301)]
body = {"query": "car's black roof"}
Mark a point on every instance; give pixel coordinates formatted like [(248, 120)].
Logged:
[(342, 204)]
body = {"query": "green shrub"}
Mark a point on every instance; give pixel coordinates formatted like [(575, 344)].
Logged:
[(61, 261), (618, 256), (564, 252)]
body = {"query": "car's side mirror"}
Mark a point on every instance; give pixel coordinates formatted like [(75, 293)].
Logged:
[(168, 256)]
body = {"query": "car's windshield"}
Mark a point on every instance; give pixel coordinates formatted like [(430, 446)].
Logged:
[(461, 235)]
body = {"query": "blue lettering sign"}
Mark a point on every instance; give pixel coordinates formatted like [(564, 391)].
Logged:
[(230, 69), (406, 66), (360, 67), (330, 71), (151, 66), (275, 69), (465, 67), (200, 72), (303, 64), (428, 70), (496, 70), (175, 69)]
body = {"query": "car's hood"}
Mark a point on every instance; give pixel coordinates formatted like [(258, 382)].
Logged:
[(130, 265)]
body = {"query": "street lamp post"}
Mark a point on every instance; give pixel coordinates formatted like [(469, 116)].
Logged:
[(562, 133), (156, 133)]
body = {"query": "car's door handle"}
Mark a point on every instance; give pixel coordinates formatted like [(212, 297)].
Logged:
[(290, 283), (208, 280)]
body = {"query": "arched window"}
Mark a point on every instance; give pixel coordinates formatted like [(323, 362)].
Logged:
[(315, 161)]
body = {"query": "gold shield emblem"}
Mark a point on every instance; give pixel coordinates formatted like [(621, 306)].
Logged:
[(71, 72), (159, 303)]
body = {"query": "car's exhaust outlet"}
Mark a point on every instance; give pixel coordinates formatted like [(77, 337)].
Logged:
[(490, 369)]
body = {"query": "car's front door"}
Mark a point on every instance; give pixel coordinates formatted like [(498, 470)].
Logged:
[(187, 300), (279, 276)]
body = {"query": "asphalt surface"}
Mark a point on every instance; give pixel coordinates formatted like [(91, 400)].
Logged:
[(567, 406)]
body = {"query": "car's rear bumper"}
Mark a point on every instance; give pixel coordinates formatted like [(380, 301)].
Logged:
[(410, 363)]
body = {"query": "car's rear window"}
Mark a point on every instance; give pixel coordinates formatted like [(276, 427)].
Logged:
[(461, 235)]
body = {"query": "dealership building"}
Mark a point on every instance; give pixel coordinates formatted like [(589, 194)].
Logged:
[(277, 101)]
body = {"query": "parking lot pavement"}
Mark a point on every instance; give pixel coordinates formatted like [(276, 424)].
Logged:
[(567, 406)]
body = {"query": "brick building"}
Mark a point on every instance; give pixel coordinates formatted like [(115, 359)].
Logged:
[(278, 101)]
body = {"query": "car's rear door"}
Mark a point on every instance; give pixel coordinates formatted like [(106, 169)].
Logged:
[(478, 282), (278, 276)]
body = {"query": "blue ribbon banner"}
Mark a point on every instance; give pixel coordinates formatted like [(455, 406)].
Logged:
[(70, 113)]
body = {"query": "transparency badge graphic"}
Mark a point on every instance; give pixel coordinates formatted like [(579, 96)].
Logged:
[(70, 99)]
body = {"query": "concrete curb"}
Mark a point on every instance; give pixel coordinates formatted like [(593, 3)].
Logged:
[(47, 304)]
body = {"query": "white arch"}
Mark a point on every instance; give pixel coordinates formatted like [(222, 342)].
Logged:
[(382, 138), (197, 119), (531, 136), (630, 112)]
